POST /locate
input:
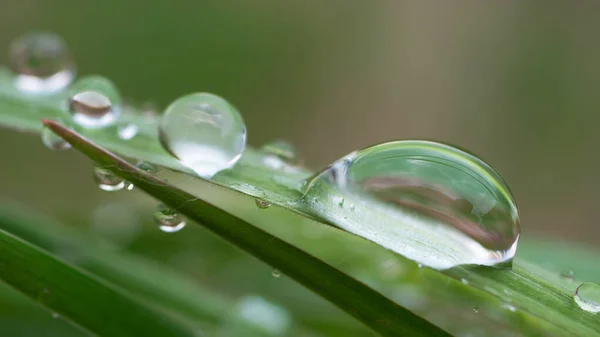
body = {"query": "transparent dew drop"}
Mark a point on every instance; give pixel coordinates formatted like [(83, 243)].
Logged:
[(568, 275), (107, 180), (278, 154), (587, 296), (275, 273), (91, 109), (146, 166), (53, 141), (262, 204), (99, 84), (127, 131), (55, 315), (205, 132), (41, 62), (168, 220), (430, 202), (476, 310)]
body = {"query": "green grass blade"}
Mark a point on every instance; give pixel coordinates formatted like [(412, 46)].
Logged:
[(370, 307), (78, 296)]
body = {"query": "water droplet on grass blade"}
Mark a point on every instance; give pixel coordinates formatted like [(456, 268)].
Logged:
[(569, 275), (146, 166), (430, 202), (107, 180), (205, 132), (127, 131), (99, 84), (91, 109), (42, 63), (279, 153), (275, 273), (587, 296), (262, 204), (168, 220)]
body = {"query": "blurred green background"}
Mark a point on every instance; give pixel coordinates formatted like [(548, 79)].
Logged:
[(513, 82)]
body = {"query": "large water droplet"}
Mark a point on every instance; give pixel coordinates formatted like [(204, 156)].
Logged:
[(92, 110), (205, 132), (42, 63), (430, 202), (107, 180), (168, 220), (587, 296)]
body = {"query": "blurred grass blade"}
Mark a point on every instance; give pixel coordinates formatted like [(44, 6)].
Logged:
[(370, 307), (78, 296)]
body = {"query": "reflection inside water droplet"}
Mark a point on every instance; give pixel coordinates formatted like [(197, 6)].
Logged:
[(587, 296), (430, 202), (107, 180), (262, 203), (205, 132), (42, 63), (91, 109), (168, 220)]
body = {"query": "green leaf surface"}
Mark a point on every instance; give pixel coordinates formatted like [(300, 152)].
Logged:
[(77, 296)]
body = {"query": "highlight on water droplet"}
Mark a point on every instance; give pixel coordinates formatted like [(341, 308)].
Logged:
[(53, 141), (42, 63), (262, 203), (587, 296), (168, 220), (430, 202), (278, 154), (127, 131), (275, 273), (107, 180), (205, 132), (91, 109)]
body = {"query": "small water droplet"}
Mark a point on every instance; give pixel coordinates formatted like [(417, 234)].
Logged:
[(278, 154), (509, 307), (99, 84), (55, 315), (262, 204), (587, 296), (41, 62), (419, 266), (146, 166), (476, 310), (127, 131), (91, 109), (464, 281), (507, 292), (275, 273), (168, 220), (455, 207), (53, 141), (569, 275), (205, 132), (107, 180)]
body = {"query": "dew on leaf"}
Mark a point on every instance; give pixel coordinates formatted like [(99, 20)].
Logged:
[(42, 63), (587, 296), (430, 202), (205, 132), (168, 220), (107, 180)]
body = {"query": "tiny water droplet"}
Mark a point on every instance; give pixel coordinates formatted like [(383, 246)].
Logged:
[(91, 109), (205, 132), (509, 307), (146, 166), (455, 208), (55, 315), (53, 141), (41, 62), (419, 266), (262, 204), (107, 180), (569, 275), (476, 310), (587, 296), (278, 154), (507, 292), (275, 273), (127, 131), (464, 281), (168, 220)]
